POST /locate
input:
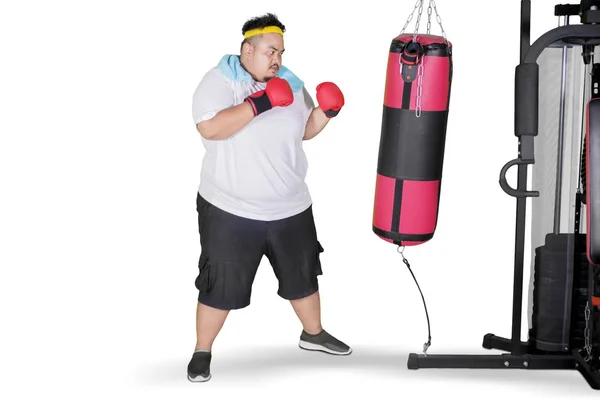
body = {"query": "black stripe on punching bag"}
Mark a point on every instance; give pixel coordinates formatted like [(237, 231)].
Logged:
[(397, 238), (406, 92), (412, 147), (397, 208), (397, 205)]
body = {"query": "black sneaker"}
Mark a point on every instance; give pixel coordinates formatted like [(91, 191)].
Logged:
[(323, 341), (199, 367)]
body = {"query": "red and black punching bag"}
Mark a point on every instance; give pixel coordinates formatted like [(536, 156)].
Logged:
[(413, 138)]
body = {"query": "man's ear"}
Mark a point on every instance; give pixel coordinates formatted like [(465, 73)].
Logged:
[(247, 48)]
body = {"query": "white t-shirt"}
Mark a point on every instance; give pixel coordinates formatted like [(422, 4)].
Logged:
[(260, 171)]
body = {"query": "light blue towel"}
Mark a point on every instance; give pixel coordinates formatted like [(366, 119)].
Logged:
[(232, 68)]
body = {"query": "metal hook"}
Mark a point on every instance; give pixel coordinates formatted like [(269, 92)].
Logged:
[(404, 260), (400, 251)]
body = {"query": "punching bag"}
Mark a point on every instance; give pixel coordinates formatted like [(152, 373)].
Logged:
[(413, 137)]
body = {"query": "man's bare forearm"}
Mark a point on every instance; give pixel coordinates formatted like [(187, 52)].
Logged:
[(315, 124), (227, 122)]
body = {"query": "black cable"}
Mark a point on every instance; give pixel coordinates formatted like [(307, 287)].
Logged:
[(426, 345)]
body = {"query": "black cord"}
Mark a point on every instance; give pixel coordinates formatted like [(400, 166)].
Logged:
[(426, 345)]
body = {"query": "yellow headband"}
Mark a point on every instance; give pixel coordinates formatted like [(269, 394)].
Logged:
[(267, 29)]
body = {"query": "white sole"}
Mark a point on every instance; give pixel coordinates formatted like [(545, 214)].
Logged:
[(199, 378), (315, 347)]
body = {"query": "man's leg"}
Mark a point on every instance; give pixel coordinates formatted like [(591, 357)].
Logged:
[(209, 322), (232, 248), (308, 310), (294, 253)]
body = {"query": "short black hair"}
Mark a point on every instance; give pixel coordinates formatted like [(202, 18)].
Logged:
[(268, 19), (262, 21)]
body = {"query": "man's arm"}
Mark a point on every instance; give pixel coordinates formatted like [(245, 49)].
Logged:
[(226, 122), (315, 124), (217, 118), (330, 100)]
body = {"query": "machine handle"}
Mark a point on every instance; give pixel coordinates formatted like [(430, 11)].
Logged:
[(506, 187)]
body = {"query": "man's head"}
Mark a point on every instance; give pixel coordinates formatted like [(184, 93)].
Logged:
[(262, 47)]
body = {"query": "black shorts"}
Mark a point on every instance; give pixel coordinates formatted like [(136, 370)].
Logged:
[(232, 248)]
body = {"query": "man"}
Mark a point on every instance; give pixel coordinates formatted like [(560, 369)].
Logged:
[(252, 114)]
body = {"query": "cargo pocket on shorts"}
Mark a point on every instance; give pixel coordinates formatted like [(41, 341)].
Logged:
[(319, 270), (203, 280)]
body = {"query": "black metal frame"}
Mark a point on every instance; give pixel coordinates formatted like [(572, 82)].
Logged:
[(519, 354)]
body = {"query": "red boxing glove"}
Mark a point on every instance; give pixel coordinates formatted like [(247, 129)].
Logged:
[(278, 93), (330, 98)]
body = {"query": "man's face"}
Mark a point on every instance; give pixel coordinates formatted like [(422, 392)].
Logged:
[(265, 56)]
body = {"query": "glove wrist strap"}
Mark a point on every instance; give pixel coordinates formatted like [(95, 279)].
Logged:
[(331, 113), (260, 102)]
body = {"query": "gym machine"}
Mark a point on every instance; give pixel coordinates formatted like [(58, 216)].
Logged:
[(557, 109)]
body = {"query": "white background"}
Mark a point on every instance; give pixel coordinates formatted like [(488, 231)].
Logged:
[(100, 163)]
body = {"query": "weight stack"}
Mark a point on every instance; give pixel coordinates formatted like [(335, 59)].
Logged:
[(553, 293)]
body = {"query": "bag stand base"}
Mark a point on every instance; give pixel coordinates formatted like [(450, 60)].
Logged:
[(523, 358)]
